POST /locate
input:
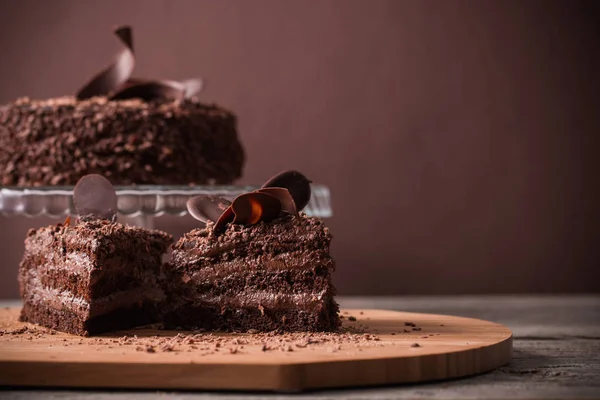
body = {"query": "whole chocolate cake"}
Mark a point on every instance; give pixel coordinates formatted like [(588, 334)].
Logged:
[(94, 275), (258, 264), (132, 131)]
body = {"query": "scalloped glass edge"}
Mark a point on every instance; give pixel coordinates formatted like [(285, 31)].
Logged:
[(135, 201)]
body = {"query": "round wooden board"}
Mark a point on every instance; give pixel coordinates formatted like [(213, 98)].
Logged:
[(379, 348)]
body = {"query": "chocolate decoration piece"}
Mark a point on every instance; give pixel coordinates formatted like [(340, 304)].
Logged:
[(250, 208), (285, 198), (115, 74), (227, 217), (192, 87), (287, 191), (95, 197), (115, 81), (207, 208), (296, 183), (151, 90), (163, 89)]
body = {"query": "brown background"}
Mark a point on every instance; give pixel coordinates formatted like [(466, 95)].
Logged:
[(459, 138)]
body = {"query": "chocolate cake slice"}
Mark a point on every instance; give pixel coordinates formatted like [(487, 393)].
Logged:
[(130, 130), (259, 266), (92, 276)]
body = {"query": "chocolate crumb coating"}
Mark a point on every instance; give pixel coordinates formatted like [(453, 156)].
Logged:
[(270, 276), (92, 277), (162, 142)]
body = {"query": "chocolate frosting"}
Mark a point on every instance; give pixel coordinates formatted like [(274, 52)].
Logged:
[(116, 83)]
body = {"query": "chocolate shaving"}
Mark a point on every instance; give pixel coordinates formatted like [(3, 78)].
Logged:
[(285, 198), (95, 197), (207, 208), (250, 208), (115, 81), (296, 183), (115, 74)]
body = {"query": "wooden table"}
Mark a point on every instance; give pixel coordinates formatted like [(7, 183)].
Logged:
[(556, 353)]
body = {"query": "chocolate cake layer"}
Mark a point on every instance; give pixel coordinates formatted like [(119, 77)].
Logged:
[(90, 271), (274, 275), (57, 141)]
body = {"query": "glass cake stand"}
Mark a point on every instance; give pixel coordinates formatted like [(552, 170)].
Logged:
[(138, 204)]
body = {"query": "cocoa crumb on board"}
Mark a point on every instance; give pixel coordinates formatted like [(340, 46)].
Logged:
[(415, 345), (355, 338), (351, 318), (416, 328)]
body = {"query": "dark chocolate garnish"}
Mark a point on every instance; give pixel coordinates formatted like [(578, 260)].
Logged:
[(95, 197), (288, 191), (250, 208), (285, 198), (296, 183), (115, 74), (163, 89), (115, 81), (192, 87), (207, 208), (227, 217)]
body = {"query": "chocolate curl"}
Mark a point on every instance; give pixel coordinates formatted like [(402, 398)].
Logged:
[(226, 218), (192, 87), (288, 191), (285, 198), (163, 89), (207, 208), (251, 208), (95, 197), (115, 74), (296, 183)]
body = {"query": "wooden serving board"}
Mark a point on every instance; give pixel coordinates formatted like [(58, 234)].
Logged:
[(379, 347)]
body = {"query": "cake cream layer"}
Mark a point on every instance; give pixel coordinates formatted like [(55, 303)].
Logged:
[(87, 272), (43, 296), (57, 141), (270, 300), (204, 267)]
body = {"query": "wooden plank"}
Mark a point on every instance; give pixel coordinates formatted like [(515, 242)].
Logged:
[(449, 347)]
